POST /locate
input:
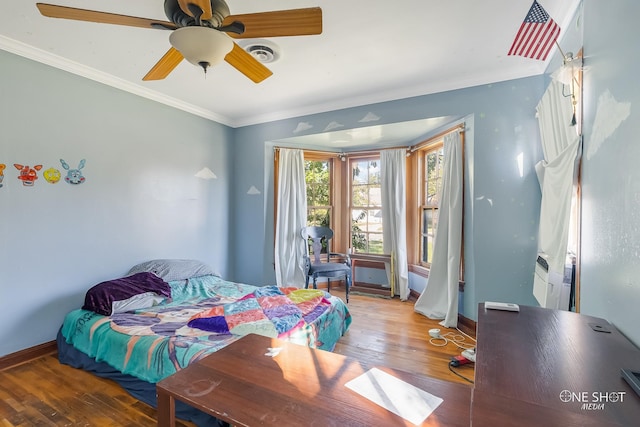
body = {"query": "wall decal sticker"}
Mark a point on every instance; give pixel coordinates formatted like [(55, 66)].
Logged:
[(253, 191), (333, 125), (2, 166), (206, 173), (74, 176), (27, 175), (302, 126), (369, 117), (52, 175)]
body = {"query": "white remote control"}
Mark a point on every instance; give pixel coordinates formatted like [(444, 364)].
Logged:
[(507, 306)]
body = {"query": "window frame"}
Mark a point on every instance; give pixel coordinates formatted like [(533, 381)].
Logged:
[(337, 197), (315, 157), (414, 199), (341, 197), (369, 156), (424, 205)]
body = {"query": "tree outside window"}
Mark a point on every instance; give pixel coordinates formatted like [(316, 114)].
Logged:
[(318, 181)]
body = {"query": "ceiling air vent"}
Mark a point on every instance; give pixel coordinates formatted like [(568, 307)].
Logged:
[(263, 52)]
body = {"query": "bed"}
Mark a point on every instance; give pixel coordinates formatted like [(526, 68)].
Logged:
[(166, 314)]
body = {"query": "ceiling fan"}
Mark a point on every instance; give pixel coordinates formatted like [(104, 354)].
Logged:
[(202, 32)]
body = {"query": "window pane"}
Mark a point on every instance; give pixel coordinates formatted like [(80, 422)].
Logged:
[(318, 180), (358, 237), (319, 216), (431, 188), (359, 217), (434, 177), (360, 172), (375, 243), (375, 196), (317, 195), (375, 221), (429, 224), (366, 200), (360, 195)]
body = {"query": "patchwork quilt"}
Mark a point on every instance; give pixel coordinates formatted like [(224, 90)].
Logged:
[(204, 315), (269, 311)]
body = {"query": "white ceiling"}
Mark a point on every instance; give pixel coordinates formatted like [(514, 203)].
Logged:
[(369, 51)]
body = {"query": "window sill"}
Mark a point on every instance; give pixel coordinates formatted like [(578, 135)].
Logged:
[(424, 272), (419, 270)]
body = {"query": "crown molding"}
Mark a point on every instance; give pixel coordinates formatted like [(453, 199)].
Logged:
[(56, 61)]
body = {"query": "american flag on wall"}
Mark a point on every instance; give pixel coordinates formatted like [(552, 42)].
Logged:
[(536, 35)]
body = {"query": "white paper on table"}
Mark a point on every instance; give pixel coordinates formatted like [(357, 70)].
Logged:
[(395, 395)]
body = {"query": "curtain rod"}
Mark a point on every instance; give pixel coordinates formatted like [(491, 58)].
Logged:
[(457, 128), (347, 153), (365, 152), (337, 153)]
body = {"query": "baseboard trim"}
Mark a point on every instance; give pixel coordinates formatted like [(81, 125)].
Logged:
[(23, 356), (467, 325)]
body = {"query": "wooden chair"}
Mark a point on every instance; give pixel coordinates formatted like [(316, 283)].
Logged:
[(328, 264)]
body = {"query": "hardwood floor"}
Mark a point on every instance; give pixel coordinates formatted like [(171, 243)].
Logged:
[(385, 332), (389, 332)]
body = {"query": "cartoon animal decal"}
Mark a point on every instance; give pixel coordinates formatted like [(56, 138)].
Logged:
[(2, 166), (52, 175), (74, 176), (28, 175)]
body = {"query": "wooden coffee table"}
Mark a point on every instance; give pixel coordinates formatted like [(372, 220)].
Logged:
[(260, 381)]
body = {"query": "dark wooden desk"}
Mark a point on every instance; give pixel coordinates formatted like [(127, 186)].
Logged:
[(554, 359), (488, 409), (300, 386)]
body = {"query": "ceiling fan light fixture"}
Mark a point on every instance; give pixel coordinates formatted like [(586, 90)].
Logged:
[(201, 46)]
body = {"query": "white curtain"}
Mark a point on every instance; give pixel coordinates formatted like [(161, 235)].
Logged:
[(439, 300), (291, 217), (560, 146), (393, 172)]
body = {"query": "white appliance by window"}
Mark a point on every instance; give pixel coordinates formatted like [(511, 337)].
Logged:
[(549, 286)]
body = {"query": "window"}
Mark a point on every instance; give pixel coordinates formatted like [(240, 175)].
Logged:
[(430, 163), (424, 186), (344, 193), (326, 204), (366, 205), (345, 196), (319, 204)]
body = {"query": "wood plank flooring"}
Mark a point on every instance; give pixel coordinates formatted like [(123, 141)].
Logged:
[(42, 392)]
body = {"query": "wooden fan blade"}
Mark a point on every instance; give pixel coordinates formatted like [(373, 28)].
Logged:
[(247, 64), (167, 63), (54, 11), (204, 5), (293, 22)]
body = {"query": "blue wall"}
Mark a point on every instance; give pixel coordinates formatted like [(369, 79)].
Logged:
[(502, 207), (140, 200), (610, 248)]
